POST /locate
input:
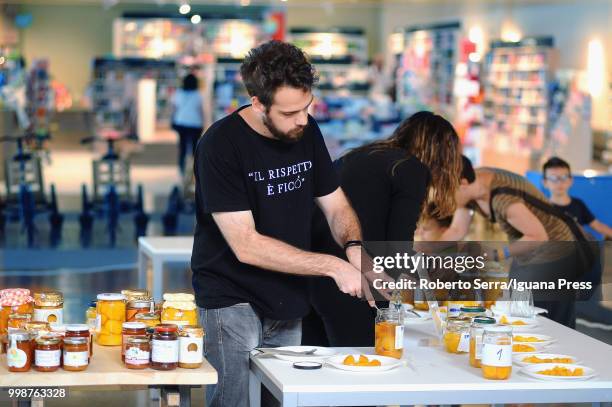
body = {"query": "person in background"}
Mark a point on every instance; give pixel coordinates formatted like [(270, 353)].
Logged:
[(187, 117), (259, 171), (558, 180), (388, 182), (525, 216), (432, 227)]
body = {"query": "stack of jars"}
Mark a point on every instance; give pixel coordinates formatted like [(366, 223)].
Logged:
[(49, 307)]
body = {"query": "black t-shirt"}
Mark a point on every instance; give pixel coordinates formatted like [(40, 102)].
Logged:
[(386, 188), (238, 169), (578, 210)]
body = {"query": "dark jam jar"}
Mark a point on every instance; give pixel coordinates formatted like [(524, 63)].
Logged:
[(165, 347)]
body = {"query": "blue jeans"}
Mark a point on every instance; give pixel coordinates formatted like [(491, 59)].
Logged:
[(231, 334)]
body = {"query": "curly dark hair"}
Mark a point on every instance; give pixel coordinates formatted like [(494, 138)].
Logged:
[(274, 64)]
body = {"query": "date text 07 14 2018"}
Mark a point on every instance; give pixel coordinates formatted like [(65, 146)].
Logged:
[(27, 393)]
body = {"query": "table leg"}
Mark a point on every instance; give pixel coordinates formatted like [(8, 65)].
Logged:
[(142, 270), (185, 394), (158, 275), (254, 390)]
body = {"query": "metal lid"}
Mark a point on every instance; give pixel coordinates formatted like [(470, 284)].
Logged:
[(37, 326), (77, 327), (110, 297), (498, 329), (76, 340), (92, 304), (484, 320), (140, 303), (47, 340), (474, 309), (49, 298), (147, 316), (20, 316), (166, 328), (458, 321), (19, 335), (136, 340), (135, 292), (134, 325)]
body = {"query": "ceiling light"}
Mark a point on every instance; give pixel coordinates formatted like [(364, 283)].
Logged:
[(184, 8), (195, 19)]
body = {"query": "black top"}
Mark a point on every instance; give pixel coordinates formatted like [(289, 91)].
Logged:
[(238, 169), (386, 188), (578, 210)]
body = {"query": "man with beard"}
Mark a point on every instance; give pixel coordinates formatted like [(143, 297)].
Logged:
[(259, 171)]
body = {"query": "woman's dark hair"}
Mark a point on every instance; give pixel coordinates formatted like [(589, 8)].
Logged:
[(190, 82), (275, 64), (555, 162), (467, 170), (435, 143)]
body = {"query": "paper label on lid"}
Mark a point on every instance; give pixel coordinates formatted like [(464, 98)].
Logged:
[(464, 342), (52, 316), (399, 337), (47, 358), (76, 359), (165, 351), (191, 350), (496, 355)]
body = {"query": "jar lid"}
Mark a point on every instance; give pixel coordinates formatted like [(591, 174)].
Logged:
[(179, 297), (19, 335), (499, 329), (473, 309), (192, 329), (111, 297), (20, 316), (92, 304), (13, 297), (77, 327), (75, 340), (166, 328), (49, 298), (484, 320), (138, 340), (458, 321), (140, 303), (55, 327), (182, 305), (47, 340), (37, 326), (148, 316), (134, 325), (135, 292)]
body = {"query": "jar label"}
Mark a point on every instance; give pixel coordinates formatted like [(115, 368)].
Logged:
[(124, 342), (51, 316), (15, 357), (92, 323), (496, 355), (136, 356), (47, 358), (165, 351), (464, 342), (399, 337), (191, 350), (76, 358), (98, 323)]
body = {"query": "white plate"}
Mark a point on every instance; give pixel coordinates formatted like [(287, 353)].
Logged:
[(386, 362), (411, 319), (546, 340), (538, 349), (531, 323), (499, 312), (532, 370), (320, 355), (517, 358)]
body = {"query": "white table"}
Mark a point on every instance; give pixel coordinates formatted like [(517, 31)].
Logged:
[(161, 250), (433, 376)]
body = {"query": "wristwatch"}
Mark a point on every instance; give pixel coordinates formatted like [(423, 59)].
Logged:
[(352, 243)]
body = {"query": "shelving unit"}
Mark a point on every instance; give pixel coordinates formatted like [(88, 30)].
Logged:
[(517, 105), (427, 69)]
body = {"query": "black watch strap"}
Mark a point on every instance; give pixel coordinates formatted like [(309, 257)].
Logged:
[(352, 243)]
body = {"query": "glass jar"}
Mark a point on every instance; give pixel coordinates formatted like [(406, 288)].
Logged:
[(179, 309), (90, 316), (49, 307), (131, 329), (457, 335), (76, 354), (389, 333), (80, 331), (150, 319), (191, 347), (476, 331), (138, 352), (14, 301), (165, 347), (110, 309), (19, 353), (472, 312), (497, 352), (136, 307), (18, 321), (47, 354), (36, 329)]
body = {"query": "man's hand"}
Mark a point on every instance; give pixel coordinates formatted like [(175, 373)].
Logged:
[(347, 277)]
